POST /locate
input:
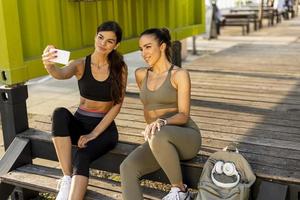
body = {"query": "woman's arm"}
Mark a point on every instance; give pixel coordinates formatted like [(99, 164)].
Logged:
[(183, 84), (108, 118), (56, 72)]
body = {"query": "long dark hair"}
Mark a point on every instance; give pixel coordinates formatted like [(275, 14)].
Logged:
[(116, 63), (162, 35)]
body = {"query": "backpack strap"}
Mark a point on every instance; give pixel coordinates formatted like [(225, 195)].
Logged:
[(236, 149)]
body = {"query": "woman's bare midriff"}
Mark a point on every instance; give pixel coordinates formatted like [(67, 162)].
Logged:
[(152, 115), (95, 106)]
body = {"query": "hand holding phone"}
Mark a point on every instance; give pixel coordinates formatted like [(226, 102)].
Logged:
[(62, 56)]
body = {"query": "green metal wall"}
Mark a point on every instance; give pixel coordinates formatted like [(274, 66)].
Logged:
[(27, 26)]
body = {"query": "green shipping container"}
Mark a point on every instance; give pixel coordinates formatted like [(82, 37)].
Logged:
[(27, 26)]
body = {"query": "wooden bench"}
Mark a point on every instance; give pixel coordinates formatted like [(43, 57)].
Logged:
[(130, 123), (243, 99), (239, 19), (252, 15), (268, 13), (244, 23)]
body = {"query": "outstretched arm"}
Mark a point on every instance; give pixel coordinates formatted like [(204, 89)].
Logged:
[(56, 72)]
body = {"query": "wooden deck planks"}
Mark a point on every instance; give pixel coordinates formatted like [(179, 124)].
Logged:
[(248, 94), (256, 77), (257, 151)]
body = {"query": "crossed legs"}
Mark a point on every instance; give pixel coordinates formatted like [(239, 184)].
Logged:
[(164, 150)]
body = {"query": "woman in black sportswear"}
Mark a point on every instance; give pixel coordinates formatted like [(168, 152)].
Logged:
[(102, 78)]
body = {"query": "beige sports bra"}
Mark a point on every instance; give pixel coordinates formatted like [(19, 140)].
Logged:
[(163, 97)]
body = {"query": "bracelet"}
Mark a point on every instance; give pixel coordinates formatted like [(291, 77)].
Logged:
[(162, 121)]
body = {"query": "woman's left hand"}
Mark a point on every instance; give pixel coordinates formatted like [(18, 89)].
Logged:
[(151, 129), (84, 139)]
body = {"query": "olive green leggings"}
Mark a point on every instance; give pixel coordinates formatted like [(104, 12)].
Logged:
[(164, 150)]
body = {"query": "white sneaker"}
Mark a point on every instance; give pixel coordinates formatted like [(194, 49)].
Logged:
[(177, 194), (64, 186)]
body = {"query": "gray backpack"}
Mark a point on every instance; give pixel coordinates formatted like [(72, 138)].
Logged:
[(226, 175)]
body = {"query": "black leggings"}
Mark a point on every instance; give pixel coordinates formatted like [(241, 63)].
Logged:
[(65, 124)]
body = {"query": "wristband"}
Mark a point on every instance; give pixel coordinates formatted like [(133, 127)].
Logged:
[(162, 121)]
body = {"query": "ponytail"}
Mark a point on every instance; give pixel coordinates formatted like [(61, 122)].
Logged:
[(163, 36), (117, 65), (117, 70)]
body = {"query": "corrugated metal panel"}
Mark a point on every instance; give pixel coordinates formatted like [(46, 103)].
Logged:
[(27, 26)]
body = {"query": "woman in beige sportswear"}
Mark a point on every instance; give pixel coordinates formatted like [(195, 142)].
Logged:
[(170, 134)]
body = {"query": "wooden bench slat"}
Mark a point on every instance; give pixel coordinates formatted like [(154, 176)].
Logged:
[(240, 125), (227, 93), (206, 118), (201, 74), (244, 68), (246, 108), (235, 66), (253, 153), (132, 104), (212, 121), (263, 164), (132, 128), (44, 179), (242, 94), (227, 136)]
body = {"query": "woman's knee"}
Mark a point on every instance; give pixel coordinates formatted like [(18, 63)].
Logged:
[(158, 139), (126, 166), (60, 114), (60, 122), (129, 168)]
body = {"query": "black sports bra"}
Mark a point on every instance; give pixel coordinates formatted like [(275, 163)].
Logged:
[(92, 89)]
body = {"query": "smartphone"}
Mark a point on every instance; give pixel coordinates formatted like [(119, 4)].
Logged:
[(62, 56)]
